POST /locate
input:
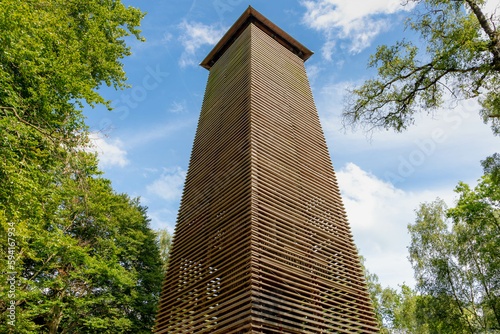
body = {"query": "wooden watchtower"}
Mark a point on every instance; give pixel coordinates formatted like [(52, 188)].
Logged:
[(262, 243)]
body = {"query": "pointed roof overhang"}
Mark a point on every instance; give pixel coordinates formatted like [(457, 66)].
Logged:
[(252, 16)]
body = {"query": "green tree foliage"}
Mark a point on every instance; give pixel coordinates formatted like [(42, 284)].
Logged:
[(456, 257), (86, 260), (396, 312), (491, 166), (90, 264), (58, 51), (476, 220), (455, 252), (165, 243), (375, 290), (405, 312), (460, 56), (53, 56)]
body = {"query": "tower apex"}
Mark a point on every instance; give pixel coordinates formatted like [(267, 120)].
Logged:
[(252, 16)]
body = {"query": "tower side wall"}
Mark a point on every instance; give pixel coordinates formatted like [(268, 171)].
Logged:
[(207, 286), (262, 243), (309, 278)]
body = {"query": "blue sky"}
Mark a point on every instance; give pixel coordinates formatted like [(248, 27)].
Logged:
[(145, 143)]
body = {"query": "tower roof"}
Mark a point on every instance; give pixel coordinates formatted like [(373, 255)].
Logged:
[(252, 16)]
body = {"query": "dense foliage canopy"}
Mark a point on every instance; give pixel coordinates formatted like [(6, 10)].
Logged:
[(457, 57), (455, 254), (78, 257)]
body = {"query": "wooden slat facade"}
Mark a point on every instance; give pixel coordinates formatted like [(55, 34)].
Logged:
[(262, 243)]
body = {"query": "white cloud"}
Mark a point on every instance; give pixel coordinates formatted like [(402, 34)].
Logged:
[(313, 71), (435, 136), (379, 214), (357, 21), (492, 8), (169, 185), (148, 171), (167, 37), (196, 35), (110, 151)]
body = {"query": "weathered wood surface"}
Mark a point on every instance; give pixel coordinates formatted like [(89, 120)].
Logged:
[(262, 243)]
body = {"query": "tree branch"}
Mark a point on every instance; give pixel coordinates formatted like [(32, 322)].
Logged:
[(47, 135), (492, 33)]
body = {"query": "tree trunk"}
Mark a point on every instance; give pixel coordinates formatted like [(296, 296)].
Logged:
[(56, 320), (492, 34), (55, 315)]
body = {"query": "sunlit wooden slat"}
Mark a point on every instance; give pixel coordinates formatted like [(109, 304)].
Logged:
[(262, 243)]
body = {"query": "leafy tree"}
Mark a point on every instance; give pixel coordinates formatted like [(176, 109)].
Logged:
[(476, 220), (375, 290), (454, 252), (165, 243), (456, 257), (405, 314), (491, 166), (460, 56), (55, 54), (440, 314), (89, 264), (86, 260), (396, 311)]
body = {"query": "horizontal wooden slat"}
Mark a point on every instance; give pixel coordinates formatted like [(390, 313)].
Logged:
[(262, 243)]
